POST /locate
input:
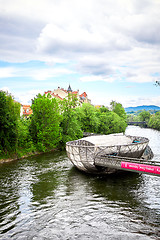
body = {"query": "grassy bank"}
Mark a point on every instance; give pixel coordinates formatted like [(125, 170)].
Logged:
[(21, 153)]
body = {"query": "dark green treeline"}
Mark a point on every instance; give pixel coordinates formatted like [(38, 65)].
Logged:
[(53, 123), (152, 119)]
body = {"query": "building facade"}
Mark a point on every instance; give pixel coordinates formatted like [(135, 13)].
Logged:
[(25, 111), (61, 93)]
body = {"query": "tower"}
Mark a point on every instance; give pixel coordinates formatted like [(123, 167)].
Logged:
[(69, 90)]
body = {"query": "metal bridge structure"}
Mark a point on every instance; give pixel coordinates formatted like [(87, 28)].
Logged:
[(128, 164), (138, 123), (135, 156)]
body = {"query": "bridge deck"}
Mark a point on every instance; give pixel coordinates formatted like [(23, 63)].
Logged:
[(138, 123), (128, 164)]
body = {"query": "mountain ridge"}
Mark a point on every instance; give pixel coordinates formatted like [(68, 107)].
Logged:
[(142, 107)]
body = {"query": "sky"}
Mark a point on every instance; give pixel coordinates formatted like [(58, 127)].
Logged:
[(109, 49)]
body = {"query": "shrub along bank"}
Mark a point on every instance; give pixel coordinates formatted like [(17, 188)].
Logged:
[(52, 124)]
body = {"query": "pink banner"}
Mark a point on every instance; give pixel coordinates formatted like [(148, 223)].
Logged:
[(141, 167)]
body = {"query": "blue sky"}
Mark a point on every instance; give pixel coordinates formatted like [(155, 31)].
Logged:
[(110, 49)]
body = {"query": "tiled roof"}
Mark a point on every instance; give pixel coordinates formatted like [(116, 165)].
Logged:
[(75, 92), (64, 90), (56, 96), (84, 94), (49, 91)]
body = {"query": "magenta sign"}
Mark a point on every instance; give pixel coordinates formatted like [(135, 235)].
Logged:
[(141, 167)]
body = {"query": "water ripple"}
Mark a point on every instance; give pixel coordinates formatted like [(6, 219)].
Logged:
[(44, 197)]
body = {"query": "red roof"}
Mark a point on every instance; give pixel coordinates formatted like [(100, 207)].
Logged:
[(75, 92), (49, 91), (84, 94), (56, 96), (64, 90)]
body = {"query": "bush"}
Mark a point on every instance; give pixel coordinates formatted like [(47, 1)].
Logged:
[(24, 136), (9, 115), (70, 125), (87, 116), (45, 123), (154, 121)]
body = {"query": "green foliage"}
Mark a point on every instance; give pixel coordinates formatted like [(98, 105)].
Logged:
[(9, 115), (140, 116), (24, 137), (154, 121), (70, 126), (133, 118), (111, 122), (103, 127), (119, 121), (102, 120), (45, 121), (103, 109), (144, 116), (118, 109), (87, 116), (53, 123)]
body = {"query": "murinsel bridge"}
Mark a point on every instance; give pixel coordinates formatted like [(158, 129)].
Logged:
[(129, 164), (104, 154)]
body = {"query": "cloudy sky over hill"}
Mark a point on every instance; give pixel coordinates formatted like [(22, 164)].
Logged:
[(110, 49)]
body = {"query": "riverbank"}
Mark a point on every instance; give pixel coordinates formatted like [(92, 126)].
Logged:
[(15, 156)]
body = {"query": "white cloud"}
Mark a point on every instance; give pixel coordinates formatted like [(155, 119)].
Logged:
[(126, 101), (92, 27), (7, 72), (36, 73), (44, 74), (96, 78), (105, 40), (134, 101), (26, 97), (5, 89), (68, 41)]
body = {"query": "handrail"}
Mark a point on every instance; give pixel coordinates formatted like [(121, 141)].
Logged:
[(129, 159), (128, 164)]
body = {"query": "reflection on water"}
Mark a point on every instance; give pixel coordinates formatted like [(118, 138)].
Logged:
[(45, 197)]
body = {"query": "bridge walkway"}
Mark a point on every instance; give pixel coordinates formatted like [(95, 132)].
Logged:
[(128, 164), (138, 123)]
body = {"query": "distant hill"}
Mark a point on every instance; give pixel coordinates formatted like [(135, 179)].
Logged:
[(144, 107)]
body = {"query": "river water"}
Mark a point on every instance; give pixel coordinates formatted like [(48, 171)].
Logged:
[(45, 197)]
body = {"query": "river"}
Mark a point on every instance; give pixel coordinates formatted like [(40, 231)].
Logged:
[(44, 197)]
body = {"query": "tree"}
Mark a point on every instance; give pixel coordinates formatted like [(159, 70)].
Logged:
[(103, 109), (87, 115), (118, 109), (25, 142), (45, 122), (144, 116), (9, 115), (133, 117), (119, 121), (154, 121), (157, 83), (70, 126), (116, 123), (103, 127)]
